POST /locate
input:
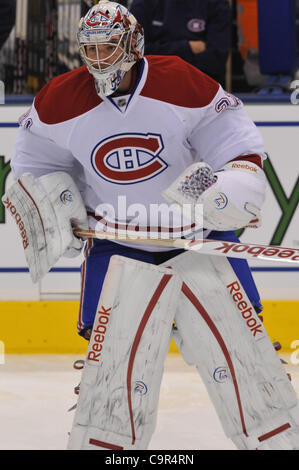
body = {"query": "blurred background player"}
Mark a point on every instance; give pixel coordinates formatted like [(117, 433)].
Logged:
[(7, 19), (198, 32)]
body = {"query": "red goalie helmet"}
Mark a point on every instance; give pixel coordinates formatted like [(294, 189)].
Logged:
[(110, 42)]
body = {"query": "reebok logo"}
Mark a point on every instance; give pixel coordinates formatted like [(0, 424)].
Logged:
[(255, 251), (245, 166), (247, 311), (98, 337), (13, 211)]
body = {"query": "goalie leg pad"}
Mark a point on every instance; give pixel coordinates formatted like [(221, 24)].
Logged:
[(120, 383), (219, 332)]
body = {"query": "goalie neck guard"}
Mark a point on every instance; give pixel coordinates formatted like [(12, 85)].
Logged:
[(110, 43)]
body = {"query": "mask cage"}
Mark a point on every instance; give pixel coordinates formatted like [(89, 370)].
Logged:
[(105, 65)]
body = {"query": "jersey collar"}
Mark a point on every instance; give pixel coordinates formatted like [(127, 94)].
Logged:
[(140, 80)]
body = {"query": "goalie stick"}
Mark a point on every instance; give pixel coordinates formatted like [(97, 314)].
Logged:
[(206, 246)]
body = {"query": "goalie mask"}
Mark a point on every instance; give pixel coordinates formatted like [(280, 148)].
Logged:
[(110, 42)]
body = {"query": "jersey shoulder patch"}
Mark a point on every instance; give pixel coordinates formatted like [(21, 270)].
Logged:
[(67, 96), (173, 80)]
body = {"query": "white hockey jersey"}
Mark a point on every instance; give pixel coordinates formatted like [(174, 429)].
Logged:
[(123, 152)]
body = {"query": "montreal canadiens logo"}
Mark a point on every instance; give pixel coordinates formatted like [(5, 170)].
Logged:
[(196, 25), (129, 158)]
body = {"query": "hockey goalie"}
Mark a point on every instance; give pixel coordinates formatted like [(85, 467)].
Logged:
[(155, 130)]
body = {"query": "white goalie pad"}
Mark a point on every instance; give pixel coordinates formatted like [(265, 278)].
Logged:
[(44, 210), (120, 384), (219, 332)]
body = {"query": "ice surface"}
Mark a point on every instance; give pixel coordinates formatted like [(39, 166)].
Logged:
[(37, 390)]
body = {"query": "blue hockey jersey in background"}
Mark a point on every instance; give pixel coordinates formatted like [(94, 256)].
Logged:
[(169, 25)]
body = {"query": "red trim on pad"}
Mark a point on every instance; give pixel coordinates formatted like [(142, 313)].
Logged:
[(36, 206), (106, 445), (201, 310), (266, 436), (153, 302)]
